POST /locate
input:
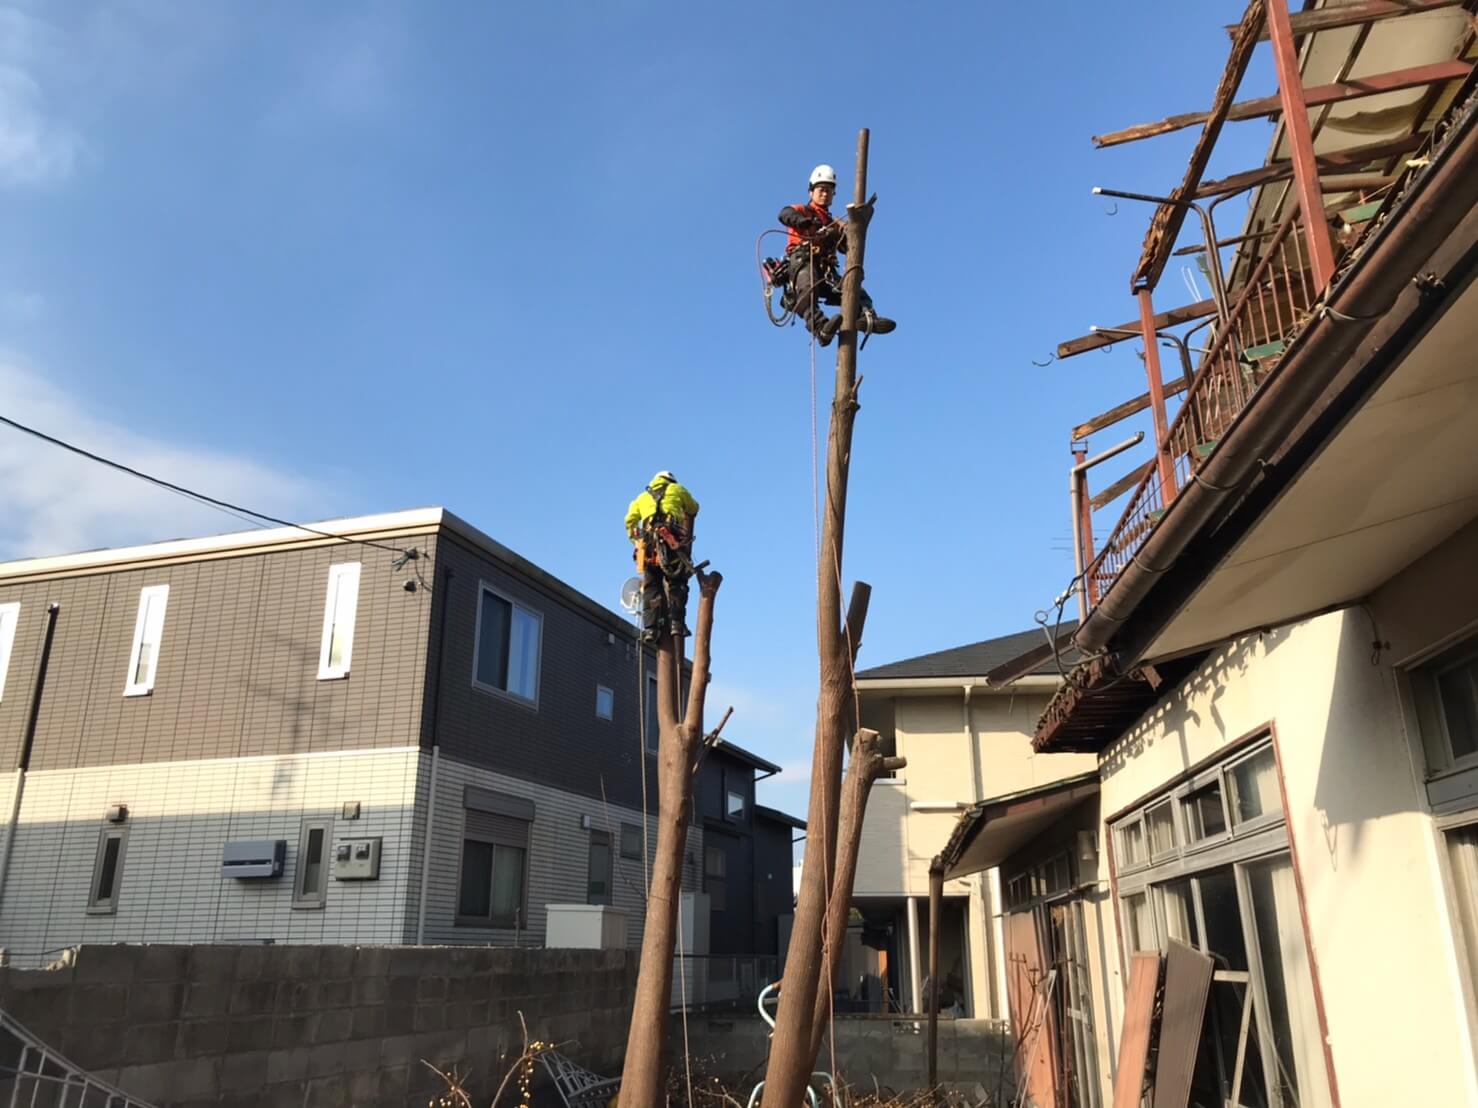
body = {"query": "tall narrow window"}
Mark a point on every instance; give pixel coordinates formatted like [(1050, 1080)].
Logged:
[(716, 877), (10, 614), (653, 730), (148, 629), (310, 884), (507, 651), (605, 702), (598, 885), (338, 621), (107, 871)]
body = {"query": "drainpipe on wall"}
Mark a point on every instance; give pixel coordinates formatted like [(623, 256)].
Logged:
[(23, 763), (445, 588), (426, 846)]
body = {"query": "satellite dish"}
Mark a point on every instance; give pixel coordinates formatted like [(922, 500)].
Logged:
[(631, 594)]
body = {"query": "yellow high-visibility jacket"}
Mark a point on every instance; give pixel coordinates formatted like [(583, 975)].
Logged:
[(677, 502)]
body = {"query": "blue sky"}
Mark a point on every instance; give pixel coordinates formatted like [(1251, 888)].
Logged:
[(342, 258)]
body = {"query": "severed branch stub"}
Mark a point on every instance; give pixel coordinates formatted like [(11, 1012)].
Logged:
[(866, 766)]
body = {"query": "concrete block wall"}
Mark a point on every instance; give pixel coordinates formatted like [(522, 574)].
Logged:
[(890, 1050), (303, 1026), (180, 815)]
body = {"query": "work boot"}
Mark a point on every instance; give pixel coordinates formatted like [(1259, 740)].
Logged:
[(874, 324), (828, 329)]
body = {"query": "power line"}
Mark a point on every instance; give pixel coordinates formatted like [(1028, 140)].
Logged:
[(247, 514)]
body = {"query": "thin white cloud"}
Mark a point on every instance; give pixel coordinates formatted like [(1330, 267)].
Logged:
[(22, 305), (53, 502), (35, 148)]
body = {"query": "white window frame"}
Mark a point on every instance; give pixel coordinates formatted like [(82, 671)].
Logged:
[(10, 617), (343, 581), (131, 686), (610, 713), (533, 701), (632, 831), (106, 906)]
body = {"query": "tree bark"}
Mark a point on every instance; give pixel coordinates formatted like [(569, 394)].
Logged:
[(678, 745), (866, 766), (791, 1058)]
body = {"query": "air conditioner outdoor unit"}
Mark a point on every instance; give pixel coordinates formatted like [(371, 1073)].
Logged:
[(254, 858)]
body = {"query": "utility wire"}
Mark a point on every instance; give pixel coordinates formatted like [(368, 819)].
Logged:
[(246, 514)]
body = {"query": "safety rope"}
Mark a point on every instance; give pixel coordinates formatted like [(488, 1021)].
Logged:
[(641, 754)]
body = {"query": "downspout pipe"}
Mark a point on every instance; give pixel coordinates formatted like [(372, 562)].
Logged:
[(1441, 201), (446, 588), (1077, 493), (28, 742)]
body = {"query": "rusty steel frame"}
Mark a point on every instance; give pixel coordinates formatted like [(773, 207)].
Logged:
[(1352, 15), (1354, 157), (1165, 225), (1336, 92), (1164, 462), (1301, 143), (1100, 337)]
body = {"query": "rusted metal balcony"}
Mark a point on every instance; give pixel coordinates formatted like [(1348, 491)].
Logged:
[(1269, 309), (1312, 206)]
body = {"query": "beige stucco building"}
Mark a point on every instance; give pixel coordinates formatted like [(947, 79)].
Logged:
[(1279, 646), (966, 740)]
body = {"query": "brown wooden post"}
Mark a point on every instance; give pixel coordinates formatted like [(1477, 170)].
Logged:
[(1163, 460), (1300, 143), (1085, 530), (936, 898)]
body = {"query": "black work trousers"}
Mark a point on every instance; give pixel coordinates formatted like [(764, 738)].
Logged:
[(665, 594), (814, 281)]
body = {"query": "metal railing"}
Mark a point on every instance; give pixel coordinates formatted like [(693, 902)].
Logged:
[(34, 1075), (1273, 303), (709, 981)]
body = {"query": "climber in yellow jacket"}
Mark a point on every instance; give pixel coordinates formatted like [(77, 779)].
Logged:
[(659, 523)]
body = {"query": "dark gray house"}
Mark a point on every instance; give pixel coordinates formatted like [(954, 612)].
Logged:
[(747, 852), (388, 729)]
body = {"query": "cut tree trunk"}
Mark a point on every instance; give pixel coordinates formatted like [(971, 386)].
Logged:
[(679, 743), (791, 1056), (866, 766)]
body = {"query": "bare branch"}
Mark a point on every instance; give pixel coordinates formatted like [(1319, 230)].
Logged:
[(857, 615)]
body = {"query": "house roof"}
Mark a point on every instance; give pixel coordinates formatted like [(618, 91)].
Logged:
[(777, 816), (738, 753), (380, 528), (976, 659)]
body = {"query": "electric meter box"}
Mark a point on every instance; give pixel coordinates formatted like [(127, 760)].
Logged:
[(357, 859)]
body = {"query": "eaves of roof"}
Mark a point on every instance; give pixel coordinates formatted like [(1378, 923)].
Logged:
[(777, 816), (1095, 705), (749, 758)]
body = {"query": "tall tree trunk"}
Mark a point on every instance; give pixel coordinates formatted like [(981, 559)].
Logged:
[(791, 1056), (679, 742), (865, 767)]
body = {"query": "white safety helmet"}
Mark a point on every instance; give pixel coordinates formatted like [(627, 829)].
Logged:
[(823, 175), (665, 475)]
